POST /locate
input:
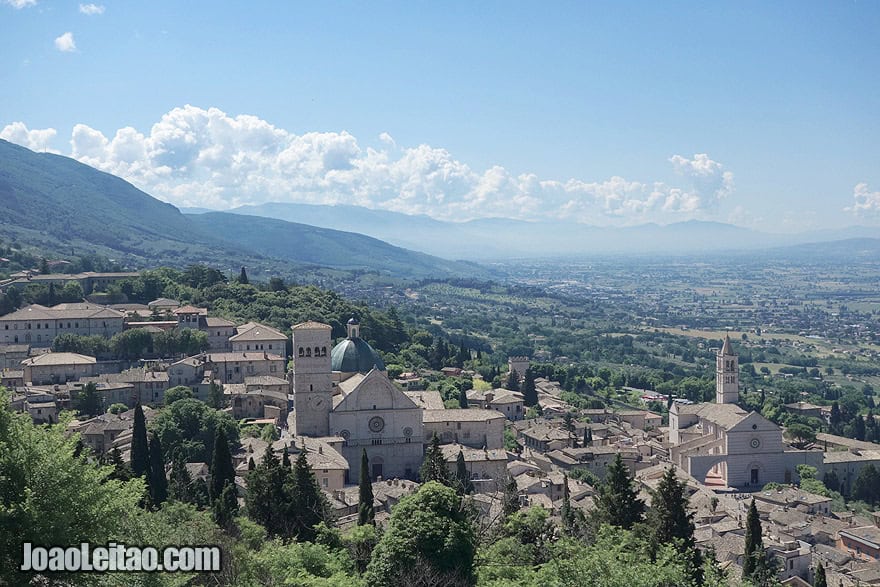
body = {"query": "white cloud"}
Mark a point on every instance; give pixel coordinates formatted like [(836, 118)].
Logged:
[(91, 9), (19, 4), (35, 140), (198, 157), (65, 43), (867, 203)]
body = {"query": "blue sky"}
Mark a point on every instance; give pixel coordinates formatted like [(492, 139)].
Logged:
[(762, 114)]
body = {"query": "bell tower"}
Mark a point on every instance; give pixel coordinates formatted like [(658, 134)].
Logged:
[(311, 379), (726, 374)]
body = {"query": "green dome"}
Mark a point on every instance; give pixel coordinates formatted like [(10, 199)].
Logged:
[(355, 355)]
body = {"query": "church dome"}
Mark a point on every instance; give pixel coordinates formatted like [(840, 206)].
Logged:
[(355, 355)]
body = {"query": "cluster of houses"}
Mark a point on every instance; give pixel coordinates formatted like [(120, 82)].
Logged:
[(334, 401)]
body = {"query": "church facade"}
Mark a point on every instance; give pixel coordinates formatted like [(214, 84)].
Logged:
[(722, 444), (344, 392)]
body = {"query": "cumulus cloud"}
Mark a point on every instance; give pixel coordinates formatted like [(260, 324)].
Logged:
[(867, 203), (206, 157), (91, 9), (19, 4), (65, 43), (35, 140)]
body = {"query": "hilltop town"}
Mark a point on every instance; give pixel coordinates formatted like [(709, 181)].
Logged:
[(521, 433)]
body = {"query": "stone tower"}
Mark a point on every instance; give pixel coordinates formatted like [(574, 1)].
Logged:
[(311, 379), (726, 374)]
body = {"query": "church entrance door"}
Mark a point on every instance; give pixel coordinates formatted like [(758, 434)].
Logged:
[(377, 470), (754, 479)]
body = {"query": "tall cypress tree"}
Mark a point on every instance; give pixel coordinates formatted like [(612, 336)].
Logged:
[(512, 381), (366, 512), (819, 580), (242, 277), (180, 486), (669, 522), (566, 513), (140, 458), (754, 551), (463, 400), (510, 499), (222, 470), (309, 505), (616, 499), (226, 507), (463, 483), (434, 466), (588, 436), (530, 394), (156, 480)]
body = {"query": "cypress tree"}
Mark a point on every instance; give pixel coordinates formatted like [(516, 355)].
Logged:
[(566, 513), (530, 394), (140, 458), (251, 464), (366, 513), (463, 400), (242, 277), (285, 459), (222, 471), (180, 486), (617, 501), (588, 436), (121, 471), (262, 506), (434, 466), (670, 523), (44, 266), (156, 481), (463, 483), (754, 549), (512, 381), (510, 499), (308, 504), (820, 580), (226, 507)]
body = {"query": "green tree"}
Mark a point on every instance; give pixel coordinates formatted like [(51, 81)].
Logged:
[(669, 522), (366, 513), (266, 500), (222, 469), (180, 481), (307, 503), (156, 481), (117, 408), (44, 266), (867, 485), (530, 394), (588, 436), (434, 466), (177, 393), (140, 457), (510, 499), (429, 535), (819, 579), (462, 481), (616, 499), (225, 507), (215, 396), (49, 495), (800, 434), (89, 401), (242, 277), (512, 381), (190, 427), (753, 556), (463, 399)]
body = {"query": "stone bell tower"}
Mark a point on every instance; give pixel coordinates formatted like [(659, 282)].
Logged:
[(726, 374), (311, 379)]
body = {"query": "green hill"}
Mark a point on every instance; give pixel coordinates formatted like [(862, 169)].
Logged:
[(64, 207)]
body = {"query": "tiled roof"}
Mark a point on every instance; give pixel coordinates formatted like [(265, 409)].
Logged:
[(48, 359), (461, 415)]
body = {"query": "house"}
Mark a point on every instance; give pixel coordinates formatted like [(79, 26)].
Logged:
[(257, 337), (11, 355), (641, 419), (861, 543), (487, 468), (509, 403), (38, 326), (475, 428), (147, 387), (50, 368)]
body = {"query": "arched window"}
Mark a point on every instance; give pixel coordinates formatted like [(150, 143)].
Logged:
[(317, 352), (308, 351), (323, 351), (302, 352)]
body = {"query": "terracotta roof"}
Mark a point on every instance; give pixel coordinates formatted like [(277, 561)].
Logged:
[(254, 331), (190, 310)]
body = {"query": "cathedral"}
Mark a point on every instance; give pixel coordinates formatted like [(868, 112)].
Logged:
[(723, 445), (344, 392)]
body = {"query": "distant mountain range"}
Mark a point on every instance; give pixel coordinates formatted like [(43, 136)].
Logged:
[(499, 238), (58, 204)]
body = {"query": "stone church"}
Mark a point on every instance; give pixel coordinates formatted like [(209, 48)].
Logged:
[(344, 392), (723, 445)]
